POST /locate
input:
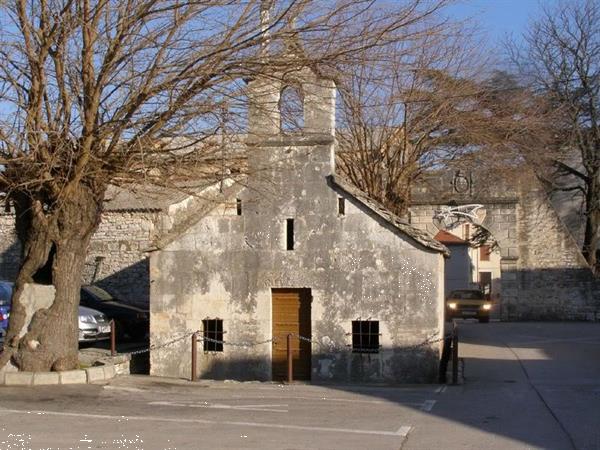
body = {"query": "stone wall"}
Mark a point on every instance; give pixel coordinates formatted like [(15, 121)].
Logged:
[(554, 279), (10, 250), (116, 257)]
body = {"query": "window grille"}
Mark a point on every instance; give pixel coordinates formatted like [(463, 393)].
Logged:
[(213, 329), (365, 336)]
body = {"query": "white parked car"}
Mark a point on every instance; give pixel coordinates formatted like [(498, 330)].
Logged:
[(93, 325)]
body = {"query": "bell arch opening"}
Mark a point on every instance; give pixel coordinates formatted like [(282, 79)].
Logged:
[(291, 109)]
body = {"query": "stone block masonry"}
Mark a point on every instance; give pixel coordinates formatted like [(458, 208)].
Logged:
[(116, 258)]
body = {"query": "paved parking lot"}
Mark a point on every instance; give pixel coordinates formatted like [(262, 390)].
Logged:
[(153, 413), (527, 386)]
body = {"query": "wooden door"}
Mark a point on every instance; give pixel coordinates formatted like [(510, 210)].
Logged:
[(291, 314)]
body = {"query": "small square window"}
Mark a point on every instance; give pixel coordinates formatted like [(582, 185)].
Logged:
[(213, 329), (365, 336), (484, 253)]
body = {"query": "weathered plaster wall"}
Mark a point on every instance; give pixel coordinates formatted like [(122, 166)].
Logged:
[(356, 266)]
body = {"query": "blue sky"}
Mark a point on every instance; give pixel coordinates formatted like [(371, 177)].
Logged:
[(498, 17)]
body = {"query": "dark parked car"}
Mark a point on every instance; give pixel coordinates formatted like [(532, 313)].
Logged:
[(129, 320)]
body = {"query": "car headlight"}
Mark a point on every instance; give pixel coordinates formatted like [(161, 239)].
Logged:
[(452, 305), (87, 319), (487, 306)]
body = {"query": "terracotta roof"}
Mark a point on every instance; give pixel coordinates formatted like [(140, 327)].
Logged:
[(420, 236), (448, 238)]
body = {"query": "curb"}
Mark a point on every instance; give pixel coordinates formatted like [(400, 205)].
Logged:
[(95, 374)]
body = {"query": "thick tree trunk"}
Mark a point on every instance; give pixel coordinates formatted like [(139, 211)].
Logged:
[(57, 239)]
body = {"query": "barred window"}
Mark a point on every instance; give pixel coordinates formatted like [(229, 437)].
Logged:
[(365, 336), (213, 329)]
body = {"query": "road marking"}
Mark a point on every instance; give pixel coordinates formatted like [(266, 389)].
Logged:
[(428, 405), (268, 408), (401, 432), (441, 389), (333, 399)]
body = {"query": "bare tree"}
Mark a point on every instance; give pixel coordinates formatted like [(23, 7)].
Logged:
[(410, 107), (94, 93), (560, 61)]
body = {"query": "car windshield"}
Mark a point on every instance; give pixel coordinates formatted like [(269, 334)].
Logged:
[(99, 293), (5, 293), (467, 295)]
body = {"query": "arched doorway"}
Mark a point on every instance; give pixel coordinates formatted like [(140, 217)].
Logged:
[(484, 237)]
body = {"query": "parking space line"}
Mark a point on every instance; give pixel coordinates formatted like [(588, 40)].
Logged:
[(267, 408), (403, 431), (428, 405), (264, 407), (400, 432)]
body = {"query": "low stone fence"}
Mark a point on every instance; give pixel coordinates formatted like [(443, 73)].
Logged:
[(106, 370)]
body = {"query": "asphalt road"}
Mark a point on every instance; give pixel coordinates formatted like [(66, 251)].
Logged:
[(527, 386)]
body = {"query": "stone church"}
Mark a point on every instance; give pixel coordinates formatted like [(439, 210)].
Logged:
[(298, 251)]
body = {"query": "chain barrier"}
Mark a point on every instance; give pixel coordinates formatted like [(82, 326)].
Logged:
[(200, 338), (236, 344), (331, 347), (159, 346)]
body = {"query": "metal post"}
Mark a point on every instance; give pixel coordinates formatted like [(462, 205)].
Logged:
[(113, 343), (455, 355), (289, 358), (446, 351), (194, 356)]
